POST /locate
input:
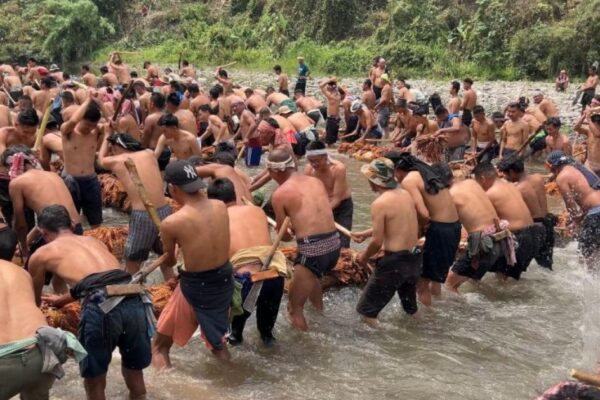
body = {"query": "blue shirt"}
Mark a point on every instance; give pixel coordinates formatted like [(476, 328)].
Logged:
[(302, 71)]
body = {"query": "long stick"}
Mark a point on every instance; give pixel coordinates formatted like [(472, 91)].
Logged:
[(126, 52), (135, 178), (144, 272), (42, 129), (9, 96), (250, 301), (585, 377), (240, 154), (228, 65), (529, 139), (121, 100), (81, 85)]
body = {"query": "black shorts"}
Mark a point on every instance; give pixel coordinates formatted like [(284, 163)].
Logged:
[(125, 327), (342, 214), (587, 96), (546, 250), (528, 241), (467, 117), (286, 92), (8, 243), (352, 124), (377, 91), (476, 266), (332, 128), (395, 272), (441, 244), (314, 115), (319, 253), (164, 158), (88, 198), (589, 237)]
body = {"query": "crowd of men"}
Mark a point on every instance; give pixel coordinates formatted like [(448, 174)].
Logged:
[(218, 244)]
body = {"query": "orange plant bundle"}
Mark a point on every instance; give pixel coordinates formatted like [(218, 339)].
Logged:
[(113, 237), (431, 147)]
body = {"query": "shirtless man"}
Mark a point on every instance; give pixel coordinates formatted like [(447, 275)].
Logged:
[(477, 215), (248, 133), (435, 211), (5, 117), (514, 132), (592, 131), (119, 68), (152, 72), (22, 323), (254, 101), (68, 107), (279, 100), (562, 81), (333, 175), (331, 92), (395, 229), (545, 105), (249, 240), (589, 88), (152, 130), (216, 127), (483, 136), (86, 265), (143, 98), (304, 129), (384, 105), (533, 191), (582, 203), (206, 280), (309, 105), (128, 119), (41, 98), (455, 130), (454, 103), (469, 101), (224, 80), (510, 206), (109, 78), (182, 144), (305, 201), (368, 96), (367, 124), (555, 140), (375, 74), (404, 91), (282, 80), (197, 98), (80, 135), (188, 70), (35, 189), (87, 77), (187, 120), (222, 170), (143, 234)]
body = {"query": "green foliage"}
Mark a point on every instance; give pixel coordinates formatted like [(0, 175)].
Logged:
[(439, 38), (70, 34)]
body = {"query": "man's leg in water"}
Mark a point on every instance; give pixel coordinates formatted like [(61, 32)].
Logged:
[(301, 287), (316, 295), (453, 281), (161, 345), (436, 288), (94, 387), (222, 355), (134, 379), (424, 292)]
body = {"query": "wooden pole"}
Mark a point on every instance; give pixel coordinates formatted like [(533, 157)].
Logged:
[(250, 301), (240, 154), (231, 64), (139, 186), (42, 129), (585, 377), (121, 100)]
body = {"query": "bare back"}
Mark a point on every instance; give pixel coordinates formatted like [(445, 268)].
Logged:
[(509, 204), (396, 210), (20, 317), (475, 210), (248, 227), (304, 199)]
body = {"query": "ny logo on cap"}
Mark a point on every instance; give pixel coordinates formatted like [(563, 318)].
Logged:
[(190, 172)]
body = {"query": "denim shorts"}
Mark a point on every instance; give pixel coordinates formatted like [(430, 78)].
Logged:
[(125, 327)]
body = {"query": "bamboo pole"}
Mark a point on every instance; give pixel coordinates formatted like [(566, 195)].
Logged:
[(139, 186), (42, 129)]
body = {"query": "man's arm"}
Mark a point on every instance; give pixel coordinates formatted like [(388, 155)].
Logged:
[(68, 126), (339, 187), (195, 146), (37, 270), (278, 203), (568, 196), (260, 180), (206, 171), (160, 146), (168, 241), (378, 233), (474, 140), (19, 222), (104, 160), (415, 193), (455, 128)]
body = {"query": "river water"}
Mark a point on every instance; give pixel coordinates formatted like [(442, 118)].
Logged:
[(497, 341)]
